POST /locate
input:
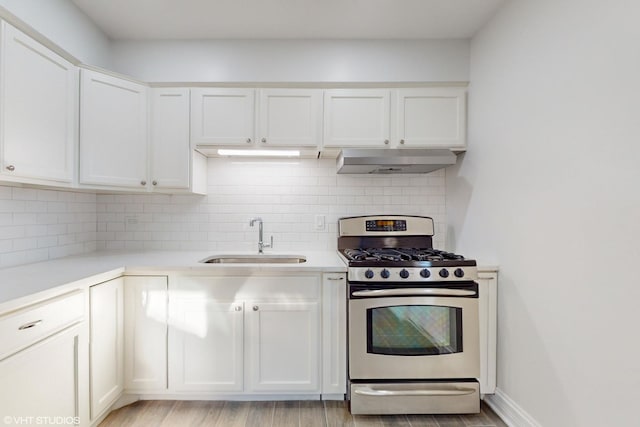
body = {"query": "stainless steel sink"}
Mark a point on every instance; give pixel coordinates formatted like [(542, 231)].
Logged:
[(254, 259)]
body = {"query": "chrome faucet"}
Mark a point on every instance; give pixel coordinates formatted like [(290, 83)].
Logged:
[(261, 244)]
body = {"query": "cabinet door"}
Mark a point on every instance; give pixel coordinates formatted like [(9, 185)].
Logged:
[(334, 334), (432, 117), (43, 381), (281, 342), (145, 333), (170, 147), (106, 344), (113, 131), (222, 116), (488, 298), (356, 118), (38, 103), (205, 345), (290, 117)]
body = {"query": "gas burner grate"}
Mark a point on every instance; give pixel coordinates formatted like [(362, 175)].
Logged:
[(400, 254), (431, 255)]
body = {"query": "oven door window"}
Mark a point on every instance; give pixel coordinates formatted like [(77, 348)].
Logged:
[(414, 330)]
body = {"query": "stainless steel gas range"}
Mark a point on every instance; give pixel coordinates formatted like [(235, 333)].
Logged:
[(413, 319)]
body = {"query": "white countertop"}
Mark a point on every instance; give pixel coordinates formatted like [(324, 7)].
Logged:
[(17, 283)]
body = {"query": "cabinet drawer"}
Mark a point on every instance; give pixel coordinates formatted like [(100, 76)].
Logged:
[(26, 326)]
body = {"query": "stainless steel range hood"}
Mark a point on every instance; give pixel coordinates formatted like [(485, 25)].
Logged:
[(391, 161)]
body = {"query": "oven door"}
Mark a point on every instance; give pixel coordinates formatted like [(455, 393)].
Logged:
[(398, 334)]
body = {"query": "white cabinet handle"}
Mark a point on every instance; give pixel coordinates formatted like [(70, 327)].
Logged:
[(386, 141), (248, 141), (11, 168), (256, 308), (143, 182), (154, 182), (30, 325), (264, 140), (238, 308), (335, 279), (402, 141)]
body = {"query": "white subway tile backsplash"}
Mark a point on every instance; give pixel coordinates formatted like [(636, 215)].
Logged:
[(38, 224), (287, 195)]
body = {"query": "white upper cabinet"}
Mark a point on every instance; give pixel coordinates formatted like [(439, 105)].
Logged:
[(290, 117), (38, 100), (357, 118), (170, 147), (113, 131), (396, 118), (222, 116), (431, 118), (256, 118), (174, 165)]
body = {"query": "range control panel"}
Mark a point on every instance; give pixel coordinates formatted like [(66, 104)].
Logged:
[(412, 274), (386, 225)]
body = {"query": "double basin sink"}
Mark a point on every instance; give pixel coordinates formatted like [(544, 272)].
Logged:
[(254, 259)]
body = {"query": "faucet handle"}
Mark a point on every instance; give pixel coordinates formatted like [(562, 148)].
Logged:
[(270, 245)]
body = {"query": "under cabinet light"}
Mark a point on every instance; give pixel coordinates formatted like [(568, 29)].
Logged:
[(260, 153)]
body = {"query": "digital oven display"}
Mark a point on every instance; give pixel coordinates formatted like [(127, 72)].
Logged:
[(387, 225)]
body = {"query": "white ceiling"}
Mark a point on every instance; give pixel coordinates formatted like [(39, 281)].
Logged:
[(289, 19)]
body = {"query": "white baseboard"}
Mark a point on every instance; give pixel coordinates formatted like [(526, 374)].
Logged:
[(510, 412), (221, 396)]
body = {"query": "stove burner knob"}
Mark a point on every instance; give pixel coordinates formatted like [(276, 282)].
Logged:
[(444, 273), (368, 274), (425, 273), (404, 273), (385, 273), (459, 272)]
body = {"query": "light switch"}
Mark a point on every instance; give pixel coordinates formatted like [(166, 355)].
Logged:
[(320, 222)]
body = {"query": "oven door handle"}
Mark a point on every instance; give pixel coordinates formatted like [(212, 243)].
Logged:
[(413, 291), (435, 392)]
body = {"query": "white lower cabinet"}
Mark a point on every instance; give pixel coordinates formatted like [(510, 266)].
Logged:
[(106, 344), (334, 335), (206, 345), (258, 334), (42, 382), (145, 333), (282, 342), (43, 360), (488, 299)]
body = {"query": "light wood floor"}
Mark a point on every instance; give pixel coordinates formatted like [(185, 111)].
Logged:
[(309, 413)]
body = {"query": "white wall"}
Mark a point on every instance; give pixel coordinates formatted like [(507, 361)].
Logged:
[(37, 225), (294, 60), (549, 191), (286, 194), (64, 24)]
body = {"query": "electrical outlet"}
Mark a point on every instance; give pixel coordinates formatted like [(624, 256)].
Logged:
[(131, 219), (320, 222)]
